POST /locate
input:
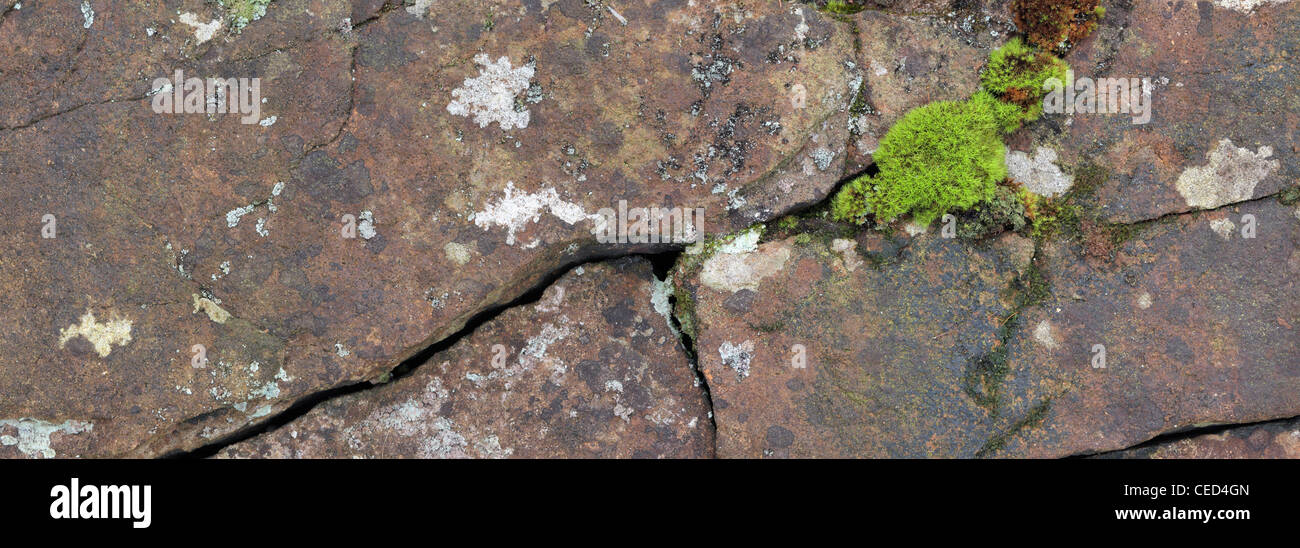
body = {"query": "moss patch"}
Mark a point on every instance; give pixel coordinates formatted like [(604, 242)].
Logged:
[(948, 155), (843, 7), (1006, 211), (1057, 25), (1016, 73), (941, 156)]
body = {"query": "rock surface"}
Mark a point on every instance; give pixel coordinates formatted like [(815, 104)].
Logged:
[(175, 278), (591, 370), (821, 347), (927, 347), (468, 144), (1198, 326), (1272, 440), (1223, 125)]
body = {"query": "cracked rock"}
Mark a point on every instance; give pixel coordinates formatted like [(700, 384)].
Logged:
[(590, 370), (358, 188)]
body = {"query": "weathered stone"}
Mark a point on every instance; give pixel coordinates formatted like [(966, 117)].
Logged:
[(943, 349), (590, 370), (1197, 324), (196, 229), (887, 344), (1271, 440), (1222, 95)]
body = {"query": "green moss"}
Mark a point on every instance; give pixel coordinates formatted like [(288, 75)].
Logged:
[(1016, 73), (843, 7), (684, 310), (1289, 196), (1032, 287), (942, 156)]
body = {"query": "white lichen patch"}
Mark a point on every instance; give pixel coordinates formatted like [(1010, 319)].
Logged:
[(418, 417), (534, 350), (202, 31), (87, 15), (116, 331), (33, 437), (1229, 177), (741, 265), (660, 291), (800, 30), (268, 390), (341, 351), (1038, 173), (515, 210), (212, 309), (1223, 227), (1246, 6), (1144, 300), (745, 242), (419, 8), (366, 225), (1044, 335), (490, 97), (737, 357), (233, 216), (914, 229)]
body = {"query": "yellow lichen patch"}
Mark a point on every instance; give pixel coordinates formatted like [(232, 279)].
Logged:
[(214, 312), (102, 335)]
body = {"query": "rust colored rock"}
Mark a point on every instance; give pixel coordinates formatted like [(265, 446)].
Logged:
[(593, 369), (465, 145), (1222, 92), (1271, 440)]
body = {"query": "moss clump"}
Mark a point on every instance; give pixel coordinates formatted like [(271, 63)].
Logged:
[(941, 156), (1016, 73), (1056, 25), (949, 155), (1005, 211)]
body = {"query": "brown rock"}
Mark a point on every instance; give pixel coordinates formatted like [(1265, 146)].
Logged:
[(591, 370), (812, 349), (945, 349), (1222, 126), (1193, 320), (1271, 440)]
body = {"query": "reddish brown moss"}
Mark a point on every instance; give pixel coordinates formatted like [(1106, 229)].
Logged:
[(1056, 25)]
